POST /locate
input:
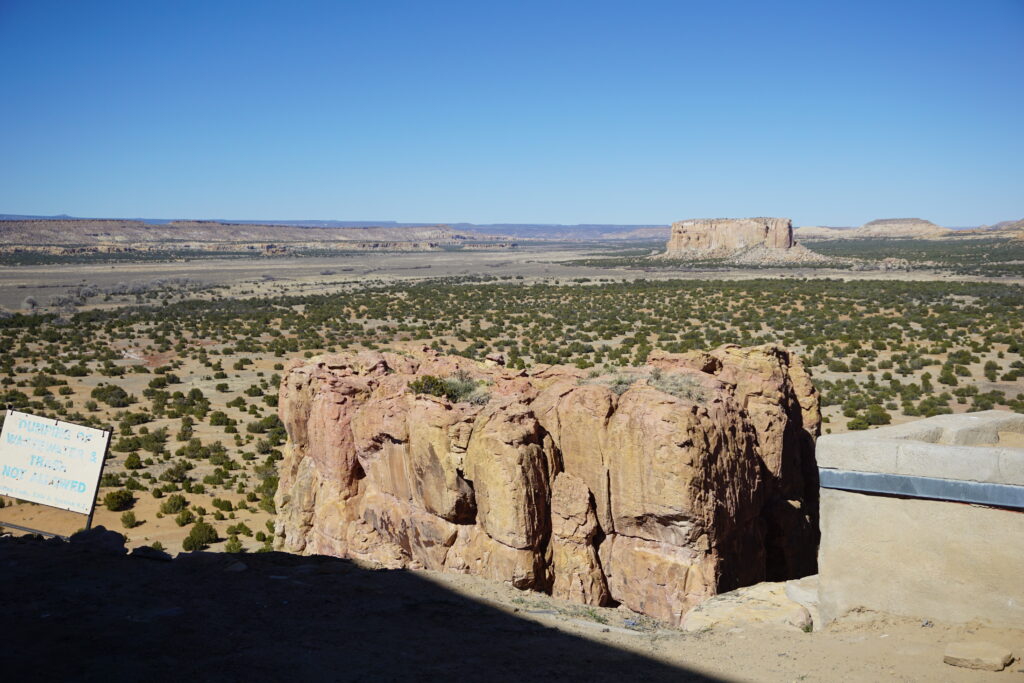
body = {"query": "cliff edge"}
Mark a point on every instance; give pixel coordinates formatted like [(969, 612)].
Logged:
[(656, 488), (743, 240)]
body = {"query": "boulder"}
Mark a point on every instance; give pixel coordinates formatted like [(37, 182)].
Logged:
[(688, 483), (764, 604), (978, 655)]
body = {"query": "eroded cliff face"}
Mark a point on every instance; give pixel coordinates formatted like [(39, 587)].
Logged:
[(698, 478), (721, 237)]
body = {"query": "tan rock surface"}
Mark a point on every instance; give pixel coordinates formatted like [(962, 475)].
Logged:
[(902, 228), (748, 241), (724, 236), (657, 498), (977, 655), (762, 604), (577, 569), (773, 387), (508, 468)]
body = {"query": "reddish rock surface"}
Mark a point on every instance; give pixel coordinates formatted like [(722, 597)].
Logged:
[(694, 476)]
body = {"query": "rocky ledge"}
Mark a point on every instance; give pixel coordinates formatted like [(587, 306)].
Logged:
[(656, 488)]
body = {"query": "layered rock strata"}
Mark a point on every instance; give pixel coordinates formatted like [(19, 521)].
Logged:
[(725, 236), (697, 478), (741, 240)]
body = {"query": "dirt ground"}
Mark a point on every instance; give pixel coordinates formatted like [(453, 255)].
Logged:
[(75, 612), (70, 613), (152, 528), (251, 277)]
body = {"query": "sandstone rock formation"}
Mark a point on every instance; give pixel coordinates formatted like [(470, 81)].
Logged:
[(745, 240), (698, 478), (725, 236), (762, 604)]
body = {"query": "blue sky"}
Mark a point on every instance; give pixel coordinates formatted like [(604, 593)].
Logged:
[(556, 112)]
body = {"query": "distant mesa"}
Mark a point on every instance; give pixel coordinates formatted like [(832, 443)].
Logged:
[(824, 232), (1011, 228), (903, 228), (13, 225), (744, 240), (103, 236), (882, 228)]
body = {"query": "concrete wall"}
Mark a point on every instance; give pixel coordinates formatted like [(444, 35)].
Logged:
[(925, 559), (918, 557), (957, 447)]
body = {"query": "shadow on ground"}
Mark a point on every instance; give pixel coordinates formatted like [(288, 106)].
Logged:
[(77, 612)]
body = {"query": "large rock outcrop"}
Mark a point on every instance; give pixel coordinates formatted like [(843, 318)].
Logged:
[(697, 478), (725, 236), (743, 240)]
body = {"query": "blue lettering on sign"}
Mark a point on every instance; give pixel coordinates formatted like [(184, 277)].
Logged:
[(48, 458), (14, 472), (44, 429), (47, 463), (57, 482)]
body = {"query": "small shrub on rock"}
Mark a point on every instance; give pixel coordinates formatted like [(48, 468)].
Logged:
[(679, 386), (457, 388)]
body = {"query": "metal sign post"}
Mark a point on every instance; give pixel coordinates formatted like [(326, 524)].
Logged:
[(99, 478)]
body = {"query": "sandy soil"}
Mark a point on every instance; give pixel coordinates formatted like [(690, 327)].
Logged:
[(152, 528), (146, 507), (72, 612), (325, 619), (247, 277)]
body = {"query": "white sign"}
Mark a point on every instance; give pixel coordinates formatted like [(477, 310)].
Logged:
[(51, 462)]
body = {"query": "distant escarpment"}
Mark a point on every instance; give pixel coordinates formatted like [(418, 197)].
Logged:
[(1007, 228), (883, 228), (88, 236), (902, 228), (741, 240), (656, 487)]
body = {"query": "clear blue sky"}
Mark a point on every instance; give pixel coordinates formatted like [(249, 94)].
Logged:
[(831, 113)]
